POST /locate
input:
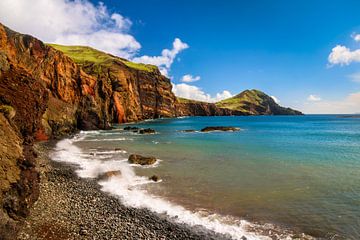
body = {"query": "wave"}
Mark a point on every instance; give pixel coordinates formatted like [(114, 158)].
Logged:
[(127, 187)]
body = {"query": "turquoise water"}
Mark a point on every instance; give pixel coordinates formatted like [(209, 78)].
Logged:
[(298, 172)]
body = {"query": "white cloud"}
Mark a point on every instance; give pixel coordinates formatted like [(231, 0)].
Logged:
[(350, 105), (275, 99), (189, 78), (167, 57), (221, 96), (120, 21), (192, 92), (343, 55), (77, 22), (356, 37), (355, 77), (313, 98)]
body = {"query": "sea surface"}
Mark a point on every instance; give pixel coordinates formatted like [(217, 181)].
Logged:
[(279, 176)]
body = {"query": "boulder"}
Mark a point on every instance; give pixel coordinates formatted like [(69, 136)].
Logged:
[(138, 159), (154, 178), (109, 174), (220, 128), (147, 131), (129, 128)]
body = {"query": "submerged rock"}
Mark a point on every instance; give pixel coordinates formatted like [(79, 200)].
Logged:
[(129, 128), (220, 128), (138, 159), (154, 178), (188, 130), (147, 131)]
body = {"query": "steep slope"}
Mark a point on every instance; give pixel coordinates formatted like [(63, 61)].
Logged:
[(130, 91), (45, 94), (255, 102), (187, 107)]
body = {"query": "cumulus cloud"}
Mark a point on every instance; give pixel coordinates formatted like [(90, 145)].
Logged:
[(195, 93), (350, 105), (165, 60), (78, 22), (313, 98), (275, 99), (189, 78), (343, 55), (355, 77)]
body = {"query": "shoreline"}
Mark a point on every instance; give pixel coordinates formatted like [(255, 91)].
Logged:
[(70, 207)]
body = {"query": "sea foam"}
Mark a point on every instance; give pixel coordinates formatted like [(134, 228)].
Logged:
[(127, 187)]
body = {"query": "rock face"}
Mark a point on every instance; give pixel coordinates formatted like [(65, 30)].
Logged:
[(138, 159), (255, 102), (45, 94)]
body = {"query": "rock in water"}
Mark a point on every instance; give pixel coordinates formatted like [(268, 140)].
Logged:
[(109, 174), (154, 178), (147, 131), (129, 128), (138, 159), (220, 128)]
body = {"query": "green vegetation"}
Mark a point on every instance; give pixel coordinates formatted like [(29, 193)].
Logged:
[(241, 101), (83, 55), (8, 111), (185, 100)]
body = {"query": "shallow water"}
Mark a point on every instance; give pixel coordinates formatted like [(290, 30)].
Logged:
[(297, 172)]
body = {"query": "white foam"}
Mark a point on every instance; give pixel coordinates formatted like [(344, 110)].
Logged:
[(126, 187), (105, 139)]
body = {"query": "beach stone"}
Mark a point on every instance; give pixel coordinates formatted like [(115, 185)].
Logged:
[(154, 178), (138, 159), (220, 128), (147, 131), (109, 174)]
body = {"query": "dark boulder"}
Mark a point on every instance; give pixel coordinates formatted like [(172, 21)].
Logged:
[(138, 159), (147, 131), (220, 128), (154, 178)]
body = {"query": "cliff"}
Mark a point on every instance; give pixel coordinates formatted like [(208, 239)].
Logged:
[(255, 102), (45, 93)]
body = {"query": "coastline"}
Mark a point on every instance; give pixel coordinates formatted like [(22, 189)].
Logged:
[(70, 207)]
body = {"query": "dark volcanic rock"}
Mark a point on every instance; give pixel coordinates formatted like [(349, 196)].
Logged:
[(129, 128), (138, 159), (147, 131), (154, 178), (220, 128)]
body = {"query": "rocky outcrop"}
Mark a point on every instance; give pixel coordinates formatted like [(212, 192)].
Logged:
[(220, 128), (255, 102), (185, 107), (45, 94)]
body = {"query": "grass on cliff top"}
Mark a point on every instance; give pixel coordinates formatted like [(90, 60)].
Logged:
[(83, 54), (185, 100)]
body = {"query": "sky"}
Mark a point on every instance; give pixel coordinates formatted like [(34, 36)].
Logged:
[(306, 54)]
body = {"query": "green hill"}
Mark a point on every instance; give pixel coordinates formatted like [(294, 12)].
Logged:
[(255, 102), (83, 55)]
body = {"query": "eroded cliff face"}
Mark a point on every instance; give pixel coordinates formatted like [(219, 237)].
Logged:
[(45, 94)]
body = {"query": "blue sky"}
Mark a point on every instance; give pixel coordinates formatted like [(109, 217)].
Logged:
[(279, 47)]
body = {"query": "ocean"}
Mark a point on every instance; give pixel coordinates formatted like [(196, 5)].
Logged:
[(279, 176)]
